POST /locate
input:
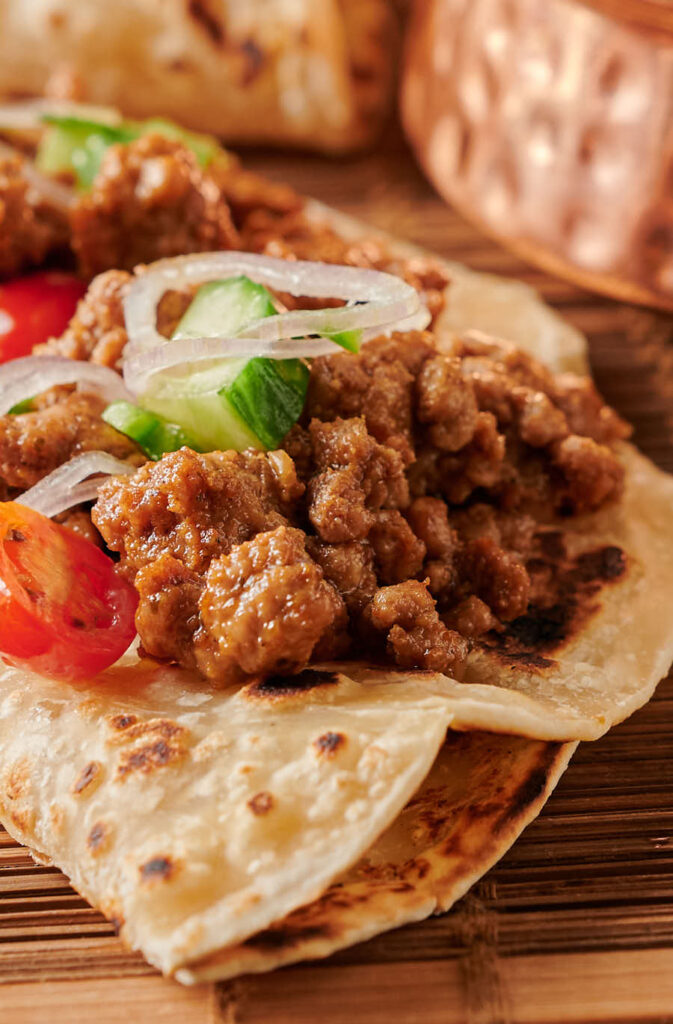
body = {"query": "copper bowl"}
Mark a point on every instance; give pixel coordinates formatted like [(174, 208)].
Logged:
[(550, 124)]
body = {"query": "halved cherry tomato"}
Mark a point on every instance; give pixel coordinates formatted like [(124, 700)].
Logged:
[(64, 610), (35, 308)]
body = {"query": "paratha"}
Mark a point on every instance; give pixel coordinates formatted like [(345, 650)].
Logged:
[(276, 71)]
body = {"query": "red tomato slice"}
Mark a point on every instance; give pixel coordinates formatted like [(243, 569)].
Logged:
[(35, 308), (64, 610)]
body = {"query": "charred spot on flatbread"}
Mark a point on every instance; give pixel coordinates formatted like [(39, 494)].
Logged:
[(281, 687), (328, 743), (121, 722), (88, 779), (261, 803), (202, 13), (572, 598), (149, 758), (17, 779), (98, 838), (157, 869), (288, 933)]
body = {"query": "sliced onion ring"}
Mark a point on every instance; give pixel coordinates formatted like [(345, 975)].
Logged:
[(29, 115), (381, 299), (69, 485), (48, 189), (33, 375)]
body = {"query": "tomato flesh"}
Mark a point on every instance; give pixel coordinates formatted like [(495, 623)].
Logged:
[(64, 610), (34, 309)]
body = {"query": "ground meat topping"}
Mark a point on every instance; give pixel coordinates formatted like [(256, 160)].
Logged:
[(416, 636), (35, 443), (97, 331), (29, 228), (590, 471), (403, 506), (194, 507), (497, 576), (353, 475), (398, 552), (446, 403), (264, 608), (149, 200)]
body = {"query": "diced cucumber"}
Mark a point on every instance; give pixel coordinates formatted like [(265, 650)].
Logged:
[(25, 405), (224, 307), (269, 396), (197, 403), (154, 435), (264, 396), (77, 144), (74, 146), (347, 339)]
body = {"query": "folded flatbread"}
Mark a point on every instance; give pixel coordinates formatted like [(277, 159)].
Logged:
[(317, 74), (195, 819)]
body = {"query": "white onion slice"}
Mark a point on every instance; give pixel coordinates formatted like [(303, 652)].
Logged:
[(416, 322), (28, 115), (141, 368), (33, 375), (68, 485), (382, 299), (54, 192)]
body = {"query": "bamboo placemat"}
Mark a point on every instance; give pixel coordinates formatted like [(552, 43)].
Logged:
[(574, 924)]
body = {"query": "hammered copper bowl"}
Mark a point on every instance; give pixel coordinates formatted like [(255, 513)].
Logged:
[(550, 124)]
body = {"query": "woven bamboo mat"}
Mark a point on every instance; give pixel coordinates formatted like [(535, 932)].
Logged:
[(575, 923)]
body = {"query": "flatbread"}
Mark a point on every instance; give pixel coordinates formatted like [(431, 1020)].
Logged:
[(267, 71), (195, 817), (481, 793)]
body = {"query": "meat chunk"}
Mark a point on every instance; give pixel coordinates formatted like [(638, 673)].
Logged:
[(416, 636), (193, 507), (480, 463), (429, 519), (512, 530), (471, 618), (353, 476), (265, 607), (35, 443), (150, 199), (29, 228), (585, 410), (349, 568), (592, 474), (398, 552), (446, 403), (97, 332), (167, 617), (378, 385), (497, 576), (539, 422)]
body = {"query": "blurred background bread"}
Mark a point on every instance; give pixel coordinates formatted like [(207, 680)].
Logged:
[(549, 123), (314, 73)]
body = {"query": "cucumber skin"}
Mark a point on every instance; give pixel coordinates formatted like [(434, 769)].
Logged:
[(263, 397)]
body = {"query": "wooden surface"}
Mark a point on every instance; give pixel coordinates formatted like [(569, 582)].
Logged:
[(575, 924)]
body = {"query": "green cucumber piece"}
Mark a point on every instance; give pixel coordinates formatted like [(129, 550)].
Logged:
[(25, 405), (196, 401), (224, 307), (269, 395), (154, 435), (77, 144), (265, 395), (349, 340)]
